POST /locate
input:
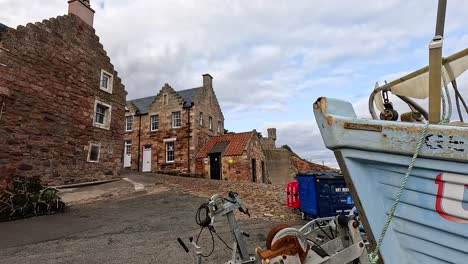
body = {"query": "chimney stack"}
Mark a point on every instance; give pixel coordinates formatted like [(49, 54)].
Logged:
[(207, 80), (82, 9), (272, 133)]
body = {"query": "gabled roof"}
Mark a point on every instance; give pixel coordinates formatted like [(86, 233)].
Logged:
[(143, 104), (235, 144)]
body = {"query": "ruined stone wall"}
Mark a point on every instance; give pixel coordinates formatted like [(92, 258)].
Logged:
[(52, 75)]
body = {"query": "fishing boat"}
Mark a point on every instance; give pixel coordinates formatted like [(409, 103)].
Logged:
[(409, 176)]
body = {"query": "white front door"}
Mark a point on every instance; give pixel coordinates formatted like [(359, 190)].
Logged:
[(128, 154), (146, 159)]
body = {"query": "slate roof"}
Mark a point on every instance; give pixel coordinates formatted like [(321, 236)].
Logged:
[(236, 144), (3, 27), (143, 104)]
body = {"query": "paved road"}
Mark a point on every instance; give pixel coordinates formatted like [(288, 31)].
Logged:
[(138, 230)]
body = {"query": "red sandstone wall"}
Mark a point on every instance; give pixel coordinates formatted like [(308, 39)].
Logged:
[(205, 102), (53, 75), (298, 164)]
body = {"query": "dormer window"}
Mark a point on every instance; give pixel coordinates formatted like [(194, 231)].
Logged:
[(107, 81)]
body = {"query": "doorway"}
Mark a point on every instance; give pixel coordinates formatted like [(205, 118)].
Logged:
[(254, 170), (146, 158), (215, 166), (128, 154)]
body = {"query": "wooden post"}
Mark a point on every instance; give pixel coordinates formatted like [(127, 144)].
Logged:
[(435, 79)]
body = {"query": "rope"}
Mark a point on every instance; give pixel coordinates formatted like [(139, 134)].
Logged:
[(446, 116), (374, 256)]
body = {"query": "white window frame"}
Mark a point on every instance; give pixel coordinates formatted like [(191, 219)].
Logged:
[(219, 127), (174, 119), (126, 123), (200, 119), (110, 83), (107, 118), (166, 142), (91, 145), (210, 123), (151, 122)]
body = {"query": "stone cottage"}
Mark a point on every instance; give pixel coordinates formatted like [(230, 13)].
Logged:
[(165, 132), (238, 156), (62, 104)]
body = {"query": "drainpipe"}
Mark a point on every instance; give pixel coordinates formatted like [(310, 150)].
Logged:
[(139, 140), (188, 135)]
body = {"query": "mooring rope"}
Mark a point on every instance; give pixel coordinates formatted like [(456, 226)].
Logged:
[(374, 256)]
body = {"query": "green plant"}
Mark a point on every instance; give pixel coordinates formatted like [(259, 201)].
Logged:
[(25, 197)]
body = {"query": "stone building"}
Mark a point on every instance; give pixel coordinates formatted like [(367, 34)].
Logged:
[(165, 132), (62, 104), (238, 156)]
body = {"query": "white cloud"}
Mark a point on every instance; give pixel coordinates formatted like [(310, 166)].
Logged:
[(263, 55)]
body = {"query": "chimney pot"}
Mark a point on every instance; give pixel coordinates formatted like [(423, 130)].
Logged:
[(82, 9), (207, 80)]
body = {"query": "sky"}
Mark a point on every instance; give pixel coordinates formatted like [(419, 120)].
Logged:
[(270, 59)]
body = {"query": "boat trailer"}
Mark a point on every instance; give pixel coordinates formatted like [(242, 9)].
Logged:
[(284, 244)]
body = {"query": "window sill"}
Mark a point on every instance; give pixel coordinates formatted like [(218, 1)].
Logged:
[(170, 162), (106, 90), (92, 161), (127, 131), (176, 127), (157, 130), (101, 126)]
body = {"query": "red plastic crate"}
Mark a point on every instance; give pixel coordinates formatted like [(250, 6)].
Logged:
[(292, 195)]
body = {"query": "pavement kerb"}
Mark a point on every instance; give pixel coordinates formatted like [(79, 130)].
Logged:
[(83, 184)]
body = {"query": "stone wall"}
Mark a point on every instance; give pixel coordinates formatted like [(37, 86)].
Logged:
[(255, 151), (165, 131), (190, 137), (240, 167), (206, 103), (52, 75), (298, 164), (279, 165), (238, 170)]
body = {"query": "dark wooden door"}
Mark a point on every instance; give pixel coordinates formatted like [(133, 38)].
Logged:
[(254, 170), (215, 166)]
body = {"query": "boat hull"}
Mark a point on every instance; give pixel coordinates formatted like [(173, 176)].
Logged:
[(430, 224)]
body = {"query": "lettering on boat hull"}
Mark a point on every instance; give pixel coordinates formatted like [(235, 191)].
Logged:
[(445, 142), (450, 197)]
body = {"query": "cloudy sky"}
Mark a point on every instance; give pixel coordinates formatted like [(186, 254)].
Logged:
[(270, 59)]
